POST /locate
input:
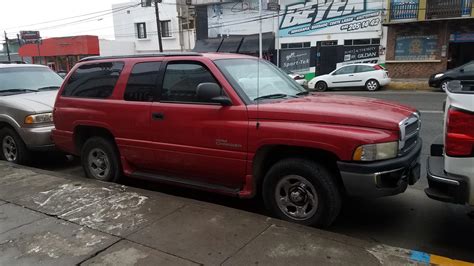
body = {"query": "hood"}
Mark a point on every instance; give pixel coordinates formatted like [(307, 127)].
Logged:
[(336, 109), (36, 102)]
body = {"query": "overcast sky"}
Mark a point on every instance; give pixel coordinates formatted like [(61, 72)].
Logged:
[(28, 14)]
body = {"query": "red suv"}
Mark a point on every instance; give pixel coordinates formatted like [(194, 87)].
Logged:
[(235, 125)]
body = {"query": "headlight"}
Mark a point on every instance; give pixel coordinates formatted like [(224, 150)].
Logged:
[(39, 119), (375, 152), (437, 76)]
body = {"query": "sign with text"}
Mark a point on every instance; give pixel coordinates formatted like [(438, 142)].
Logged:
[(295, 59), (28, 37), (416, 47), (330, 16)]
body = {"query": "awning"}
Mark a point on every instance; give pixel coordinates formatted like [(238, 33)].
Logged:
[(231, 44), (250, 43), (207, 45)]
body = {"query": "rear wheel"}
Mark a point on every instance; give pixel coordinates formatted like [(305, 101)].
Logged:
[(302, 191), (321, 86), (100, 159), (13, 149), (372, 85)]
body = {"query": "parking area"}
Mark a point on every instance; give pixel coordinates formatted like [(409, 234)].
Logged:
[(409, 220)]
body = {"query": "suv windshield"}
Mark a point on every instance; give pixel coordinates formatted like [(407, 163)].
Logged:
[(258, 79), (28, 79)]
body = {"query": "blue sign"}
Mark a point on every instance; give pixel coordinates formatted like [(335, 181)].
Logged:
[(416, 47)]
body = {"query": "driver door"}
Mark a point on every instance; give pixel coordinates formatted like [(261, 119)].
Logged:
[(195, 140), (344, 77)]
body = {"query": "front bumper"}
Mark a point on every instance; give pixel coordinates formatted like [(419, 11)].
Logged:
[(434, 83), (444, 186), (37, 138), (384, 178)]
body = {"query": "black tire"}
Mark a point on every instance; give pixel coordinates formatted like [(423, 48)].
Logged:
[(372, 85), (108, 153), (326, 188), (20, 153), (321, 86)]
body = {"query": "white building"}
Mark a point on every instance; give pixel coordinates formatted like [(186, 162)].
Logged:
[(138, 25), (313, 36)]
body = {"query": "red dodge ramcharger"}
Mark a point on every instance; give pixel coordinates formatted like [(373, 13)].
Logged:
[(235, 125)]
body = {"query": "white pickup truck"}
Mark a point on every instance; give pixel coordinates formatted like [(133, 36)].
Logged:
[(451, 164)]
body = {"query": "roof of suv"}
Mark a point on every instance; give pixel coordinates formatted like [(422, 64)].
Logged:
[(211, 56), (19, 65)]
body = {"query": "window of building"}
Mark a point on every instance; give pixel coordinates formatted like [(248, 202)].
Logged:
[(328, 43), (165, 28), (296, 45), (141, 30), (142, 82), (93, 80), (182, 79), (361, 42), (420, 47)]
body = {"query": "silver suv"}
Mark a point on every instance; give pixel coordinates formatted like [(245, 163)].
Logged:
[(27, 95)]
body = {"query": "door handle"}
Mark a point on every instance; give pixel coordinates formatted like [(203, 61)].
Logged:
[(158, 116), (351, 75)]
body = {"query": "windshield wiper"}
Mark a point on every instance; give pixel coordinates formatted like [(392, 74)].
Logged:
[(271, 96), (303, 93), (17, 91), (48, 88)]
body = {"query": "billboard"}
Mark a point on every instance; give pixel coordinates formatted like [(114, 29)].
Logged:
[(28, 37)]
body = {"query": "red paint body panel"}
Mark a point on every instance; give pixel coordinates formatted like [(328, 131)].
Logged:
[(216, 144)]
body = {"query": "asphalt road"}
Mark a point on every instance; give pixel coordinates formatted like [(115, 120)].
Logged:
[(410, 220)]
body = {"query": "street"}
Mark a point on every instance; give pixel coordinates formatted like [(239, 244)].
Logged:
[(410, 220)]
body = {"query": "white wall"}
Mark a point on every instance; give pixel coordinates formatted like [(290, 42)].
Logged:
[(124, 27), (112, 48)]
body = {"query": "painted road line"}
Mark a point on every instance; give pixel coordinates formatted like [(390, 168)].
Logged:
[(431, 112), (395, 256)]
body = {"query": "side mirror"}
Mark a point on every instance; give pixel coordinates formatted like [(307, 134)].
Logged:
[(211, 92)]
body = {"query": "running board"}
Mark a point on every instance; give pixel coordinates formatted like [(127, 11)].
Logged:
[(186, 183)]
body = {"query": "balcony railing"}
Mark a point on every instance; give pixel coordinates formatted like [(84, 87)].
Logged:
[(404, 10), (448, 8)]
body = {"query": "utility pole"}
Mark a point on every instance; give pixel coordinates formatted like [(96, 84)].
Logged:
[(158, 28), (8, 47), (260, 45)]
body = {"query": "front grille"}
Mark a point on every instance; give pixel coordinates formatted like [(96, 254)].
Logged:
[(409, 133)]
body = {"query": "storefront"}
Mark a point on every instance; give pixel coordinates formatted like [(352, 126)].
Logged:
[(61, 53), (419, 49)]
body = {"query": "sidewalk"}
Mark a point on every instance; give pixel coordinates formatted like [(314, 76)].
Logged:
[(410, 85), (46, 219)]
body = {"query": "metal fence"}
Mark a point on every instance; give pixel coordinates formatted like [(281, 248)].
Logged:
[(448, 8), (404, 10)]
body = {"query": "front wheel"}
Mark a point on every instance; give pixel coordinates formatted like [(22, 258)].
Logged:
[(372, 85), (321, 86), (13, 149), (100, 159), (444, 85), (302, 191)]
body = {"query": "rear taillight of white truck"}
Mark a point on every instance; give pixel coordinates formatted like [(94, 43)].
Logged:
[(459, 140)]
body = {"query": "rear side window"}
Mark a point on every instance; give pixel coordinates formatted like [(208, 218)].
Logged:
[(96, 80), (181, 81), (345, 70), (365, 69), (142, 82)]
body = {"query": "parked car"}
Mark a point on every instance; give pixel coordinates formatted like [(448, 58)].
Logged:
[(451, 164), (370, 76), (441, 80), (27, 94), (207, 121), (62, 73), (299, 78)]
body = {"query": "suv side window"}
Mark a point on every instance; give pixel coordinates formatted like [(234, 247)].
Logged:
[(364, 69), (95, 80), (345, 70), (181, 81), (469, 67), (142, 82)]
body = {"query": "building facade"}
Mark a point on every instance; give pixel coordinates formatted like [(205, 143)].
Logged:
[(138, 25), (428, 36), (312, 37)]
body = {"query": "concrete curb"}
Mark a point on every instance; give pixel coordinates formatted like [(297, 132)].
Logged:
[(409, 85)]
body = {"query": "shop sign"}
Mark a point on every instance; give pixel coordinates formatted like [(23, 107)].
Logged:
[(461, 37), (28, 37), (416, 47), (357, 53), (295, 59), (330, 16)]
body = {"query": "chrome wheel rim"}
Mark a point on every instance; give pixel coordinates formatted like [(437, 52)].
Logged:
[(444, 86), (10, 151), (372, 85), (296, 197), (98, 163)]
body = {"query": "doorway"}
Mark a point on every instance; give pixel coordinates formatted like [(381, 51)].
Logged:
[(460, 54)]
